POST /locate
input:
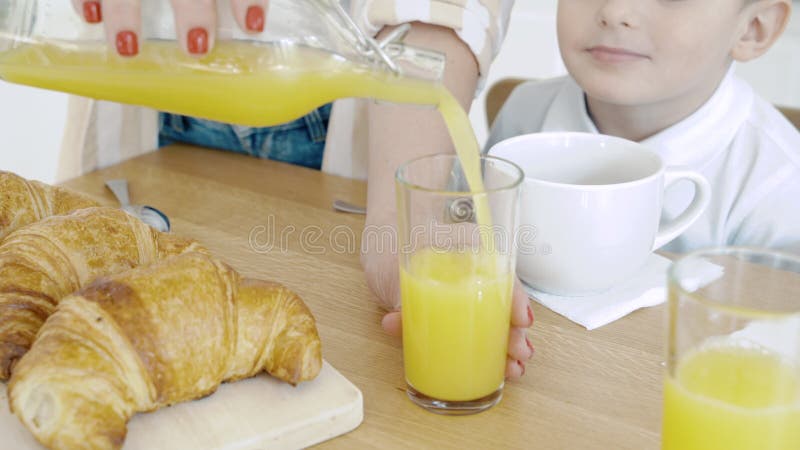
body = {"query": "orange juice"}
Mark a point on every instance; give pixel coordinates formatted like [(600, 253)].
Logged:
[(456, 309), (732, 398), (272, 84)]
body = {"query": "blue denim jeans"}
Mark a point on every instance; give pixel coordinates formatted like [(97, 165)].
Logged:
[(300, 142)]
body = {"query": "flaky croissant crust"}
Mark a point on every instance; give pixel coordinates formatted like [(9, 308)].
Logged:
[(51, 258), (154, 336), (23, 202)]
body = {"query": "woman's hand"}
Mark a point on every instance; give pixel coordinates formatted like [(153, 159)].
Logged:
[(382, 274), (391, 144), (195, 21)]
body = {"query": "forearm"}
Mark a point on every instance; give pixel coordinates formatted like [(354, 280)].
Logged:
[(398, 133)]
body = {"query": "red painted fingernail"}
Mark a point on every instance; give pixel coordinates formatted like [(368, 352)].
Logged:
[(127, 43), (197, 41), (530, 315), (254, 19), (530, 345), (92, 12), (521, 366)]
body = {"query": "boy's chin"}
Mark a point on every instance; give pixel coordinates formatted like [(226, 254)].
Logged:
[(618, 92)]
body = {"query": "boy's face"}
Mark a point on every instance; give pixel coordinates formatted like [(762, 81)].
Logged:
[(633, 52)]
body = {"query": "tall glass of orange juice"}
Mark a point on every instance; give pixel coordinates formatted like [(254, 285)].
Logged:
[(733, 352), (457, 255)]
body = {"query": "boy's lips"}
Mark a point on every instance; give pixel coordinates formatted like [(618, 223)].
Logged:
[(606, 54)]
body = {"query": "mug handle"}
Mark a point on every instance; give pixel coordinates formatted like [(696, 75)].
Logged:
[(702, 196)]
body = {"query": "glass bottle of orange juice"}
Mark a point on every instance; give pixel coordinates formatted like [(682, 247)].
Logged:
[(309, 54)]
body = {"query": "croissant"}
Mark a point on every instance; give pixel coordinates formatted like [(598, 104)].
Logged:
[(45, 261), (23, 202), (151, 337)]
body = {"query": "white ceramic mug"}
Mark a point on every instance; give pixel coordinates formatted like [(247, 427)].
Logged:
[(590, 209)]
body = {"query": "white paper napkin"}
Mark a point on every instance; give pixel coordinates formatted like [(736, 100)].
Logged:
[(646, 288)]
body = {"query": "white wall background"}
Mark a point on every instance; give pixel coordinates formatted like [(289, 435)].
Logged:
[(31, 125), (32, 120)]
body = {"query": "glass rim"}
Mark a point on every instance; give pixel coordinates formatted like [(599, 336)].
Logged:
[(520, 175), (740, 311)]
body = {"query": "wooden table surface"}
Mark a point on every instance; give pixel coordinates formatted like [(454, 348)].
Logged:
[(583, 389)]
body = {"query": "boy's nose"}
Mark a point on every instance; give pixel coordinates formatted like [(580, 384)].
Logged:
[(617, 13)]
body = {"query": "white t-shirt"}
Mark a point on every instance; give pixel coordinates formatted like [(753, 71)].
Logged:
[(747, 150)]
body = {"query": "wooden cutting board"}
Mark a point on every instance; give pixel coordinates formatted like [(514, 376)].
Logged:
[(258, 413)]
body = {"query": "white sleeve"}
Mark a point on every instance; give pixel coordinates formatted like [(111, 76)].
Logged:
[(481, 24)]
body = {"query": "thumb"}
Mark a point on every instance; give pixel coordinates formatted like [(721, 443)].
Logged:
[(392, 323)]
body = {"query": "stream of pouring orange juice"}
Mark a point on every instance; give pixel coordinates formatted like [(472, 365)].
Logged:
[(275, 84)]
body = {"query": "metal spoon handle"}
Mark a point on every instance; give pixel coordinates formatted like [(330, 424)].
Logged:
[(343, 206), (150, 216), (120, 190)]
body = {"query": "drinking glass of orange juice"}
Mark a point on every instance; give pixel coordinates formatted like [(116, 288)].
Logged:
[(457, 252), (733, 352)]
